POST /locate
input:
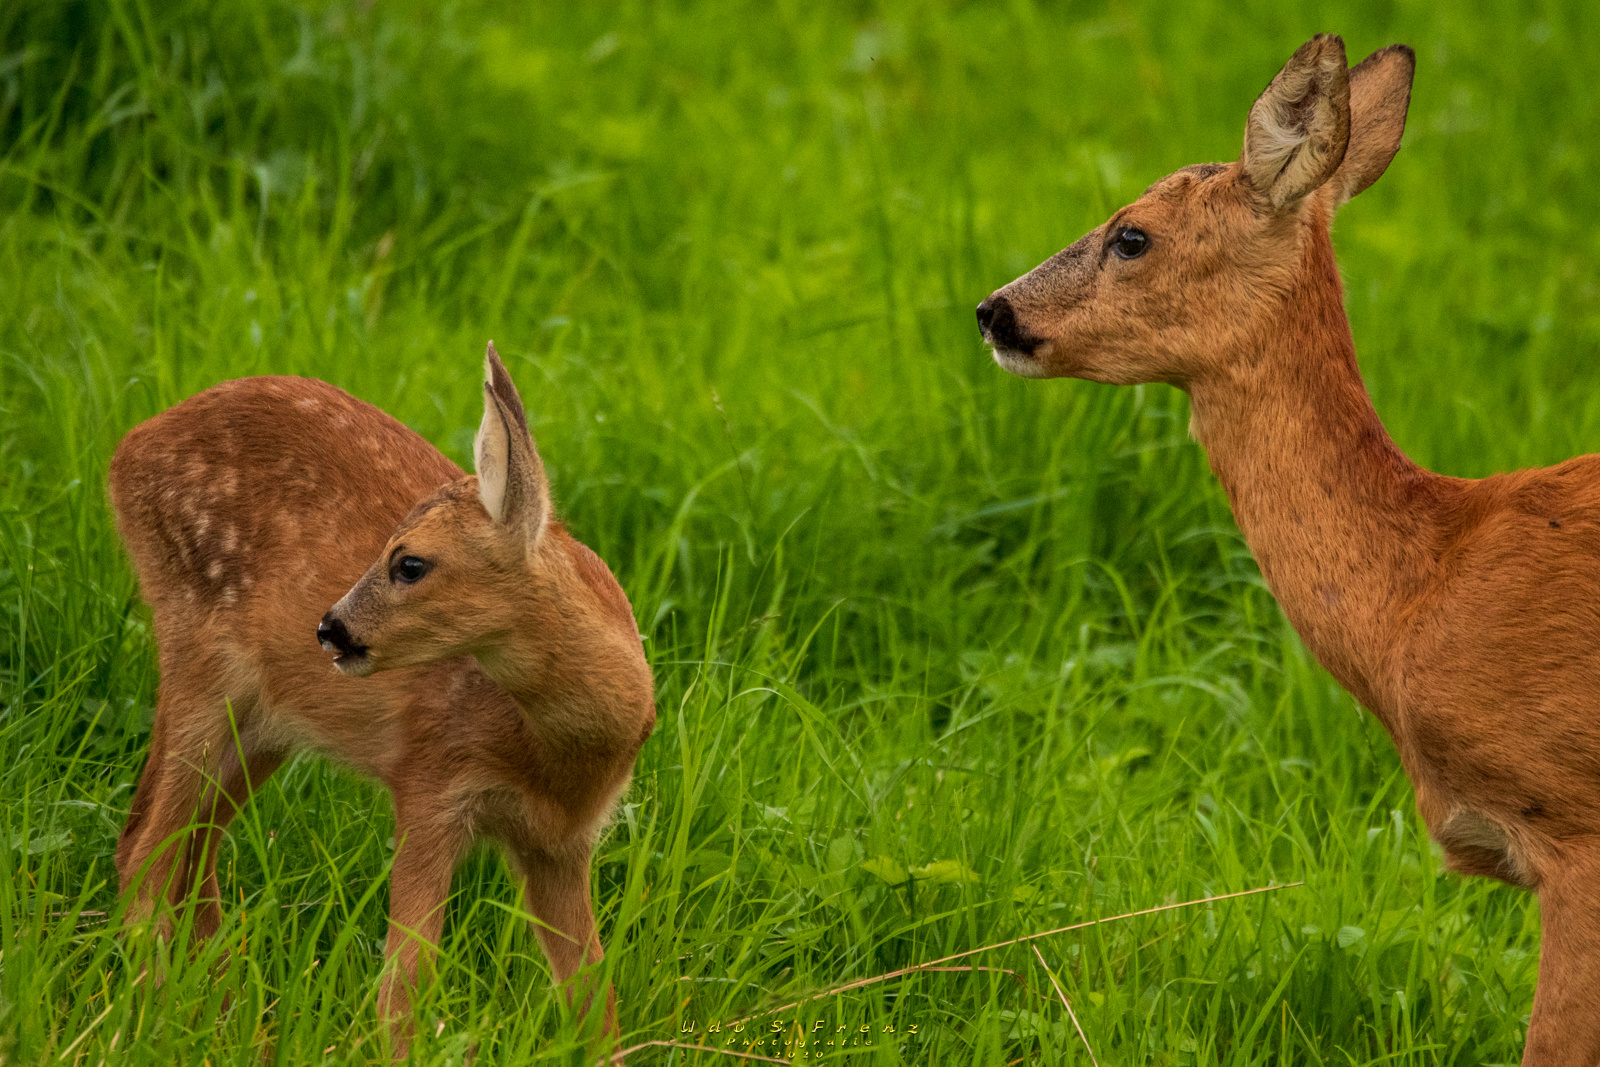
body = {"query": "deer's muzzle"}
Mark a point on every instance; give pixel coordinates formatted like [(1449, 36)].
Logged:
[(998, 322)]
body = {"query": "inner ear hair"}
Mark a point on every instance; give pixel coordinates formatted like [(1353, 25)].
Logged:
[(1299, 127), (491, 453), (511, 477)]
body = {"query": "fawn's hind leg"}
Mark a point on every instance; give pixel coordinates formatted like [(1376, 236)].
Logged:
[(202, 765)]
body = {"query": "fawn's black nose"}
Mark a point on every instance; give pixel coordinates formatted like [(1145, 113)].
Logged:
[(999, 325), (333, 637)]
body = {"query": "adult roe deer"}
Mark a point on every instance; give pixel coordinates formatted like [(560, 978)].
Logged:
[(1462, 613), (515, 695)]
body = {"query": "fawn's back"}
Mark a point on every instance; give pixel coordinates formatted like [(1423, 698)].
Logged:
[(238, 558)]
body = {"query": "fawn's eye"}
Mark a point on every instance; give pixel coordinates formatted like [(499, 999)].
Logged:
[(409, 569), (1130, 243)]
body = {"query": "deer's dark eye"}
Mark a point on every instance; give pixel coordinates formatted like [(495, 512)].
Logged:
[(409, 569), (1130, 243)]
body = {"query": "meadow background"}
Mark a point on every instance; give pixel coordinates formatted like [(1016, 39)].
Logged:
[(943, 656)]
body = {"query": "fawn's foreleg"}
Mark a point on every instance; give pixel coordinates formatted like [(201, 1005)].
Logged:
[(556, 889), (425, 858)]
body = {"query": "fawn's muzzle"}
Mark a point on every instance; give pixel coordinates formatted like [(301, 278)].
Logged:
[(333, 636)]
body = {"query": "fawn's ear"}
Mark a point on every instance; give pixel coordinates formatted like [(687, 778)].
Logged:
[(1299, 127), (511, 481), (1380, 93)]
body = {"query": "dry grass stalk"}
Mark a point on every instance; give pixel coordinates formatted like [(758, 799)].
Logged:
[(932, 965), (1065, 1003)]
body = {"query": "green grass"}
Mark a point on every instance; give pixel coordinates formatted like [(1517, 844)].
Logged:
[(902, 608)]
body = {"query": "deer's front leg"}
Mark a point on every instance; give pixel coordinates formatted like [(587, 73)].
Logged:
[(556, 888), (1565, 1028), (419, 886)]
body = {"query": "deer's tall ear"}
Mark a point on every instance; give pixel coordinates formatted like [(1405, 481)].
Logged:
[(1299, 127), (511, 479), (1380, 94)]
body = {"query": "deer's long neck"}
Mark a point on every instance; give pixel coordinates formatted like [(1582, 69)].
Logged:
[(1341, 522)]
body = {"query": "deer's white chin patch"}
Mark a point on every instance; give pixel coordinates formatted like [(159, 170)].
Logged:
[(1023, 364)]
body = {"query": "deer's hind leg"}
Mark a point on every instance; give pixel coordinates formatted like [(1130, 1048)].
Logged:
[(206, 754)]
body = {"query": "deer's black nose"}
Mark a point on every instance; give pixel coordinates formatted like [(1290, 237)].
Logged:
[(986, 312), (999, 324), (334, 637)]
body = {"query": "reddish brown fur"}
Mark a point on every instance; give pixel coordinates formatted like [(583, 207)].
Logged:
[(251, 508), (1463, 613)]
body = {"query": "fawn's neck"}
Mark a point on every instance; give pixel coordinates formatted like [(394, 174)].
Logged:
[(1340, 520), (579, 676)]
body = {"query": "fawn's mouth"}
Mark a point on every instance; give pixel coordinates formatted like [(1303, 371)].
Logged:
[(354, 664)]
